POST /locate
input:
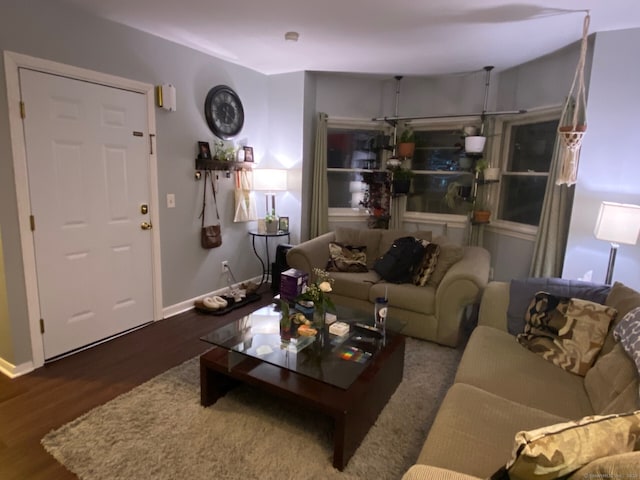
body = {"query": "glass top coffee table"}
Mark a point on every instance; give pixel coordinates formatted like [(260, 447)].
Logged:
[(349, 378)]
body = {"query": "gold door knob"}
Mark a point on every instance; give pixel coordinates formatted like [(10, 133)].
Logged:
[(146, 226)]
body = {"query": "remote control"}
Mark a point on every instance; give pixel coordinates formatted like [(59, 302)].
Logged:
[(367, 328)]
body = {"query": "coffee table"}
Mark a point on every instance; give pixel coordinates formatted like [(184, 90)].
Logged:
[(324, 376)]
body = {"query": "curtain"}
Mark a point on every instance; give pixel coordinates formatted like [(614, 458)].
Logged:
[(319, 193), (553, 231), (398, 207)]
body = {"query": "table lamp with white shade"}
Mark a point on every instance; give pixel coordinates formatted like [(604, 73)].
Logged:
[(270, 181), (617, 223)]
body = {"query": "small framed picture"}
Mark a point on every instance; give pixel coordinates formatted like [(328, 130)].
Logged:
[(248, 154), (204, 151), (283, 224)]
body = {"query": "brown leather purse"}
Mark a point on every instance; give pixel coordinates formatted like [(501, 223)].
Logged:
[(211, 235)]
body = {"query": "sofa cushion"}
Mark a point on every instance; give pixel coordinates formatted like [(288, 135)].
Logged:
[(360, 236), (623, 299), (558, 450), (566, 332), (621, 466), (473, 431), (449, 255), (627, 332), (355, 285), (612, 382), (522, 290), (428, 264), (406, 296), (494, 361), (346, 258)]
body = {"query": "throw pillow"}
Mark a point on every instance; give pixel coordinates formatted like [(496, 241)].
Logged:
[(346, 258), (566, 332), (428, 264), (449, 255), (627, 332), (522, 290), (559, 450)]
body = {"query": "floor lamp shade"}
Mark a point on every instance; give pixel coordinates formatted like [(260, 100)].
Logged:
[(617, 223)]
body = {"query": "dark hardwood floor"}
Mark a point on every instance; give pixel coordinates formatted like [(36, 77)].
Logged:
[(34, 404)]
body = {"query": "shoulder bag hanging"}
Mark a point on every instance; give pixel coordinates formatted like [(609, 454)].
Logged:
[(211, 235)]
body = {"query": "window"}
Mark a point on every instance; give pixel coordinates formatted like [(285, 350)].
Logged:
[(350, 153), (527, 151), (444, 175)]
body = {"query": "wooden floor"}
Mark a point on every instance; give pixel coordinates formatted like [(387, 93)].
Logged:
[(34, 404)]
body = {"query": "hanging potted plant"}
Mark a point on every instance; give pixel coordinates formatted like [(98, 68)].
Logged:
[(473, 142), (480, 213), (400, 180), (406, 144)]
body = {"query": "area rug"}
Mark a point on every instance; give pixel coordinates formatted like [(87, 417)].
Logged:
[(159, 431)]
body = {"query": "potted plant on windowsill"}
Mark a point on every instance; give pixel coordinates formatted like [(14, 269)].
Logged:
[(406, 144)]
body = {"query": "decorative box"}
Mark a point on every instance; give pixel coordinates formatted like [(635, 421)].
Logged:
[(339, 328), (291, 283)]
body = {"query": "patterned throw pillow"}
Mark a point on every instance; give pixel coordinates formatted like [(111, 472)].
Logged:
[(428, 264), (627, 332), (567, 332), (558, 450), (449, 255), (346, 258)]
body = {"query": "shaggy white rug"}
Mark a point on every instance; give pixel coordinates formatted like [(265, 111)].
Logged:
[(158, 430)]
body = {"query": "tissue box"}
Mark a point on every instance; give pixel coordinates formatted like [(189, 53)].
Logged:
[(291, 283), (339, 328)]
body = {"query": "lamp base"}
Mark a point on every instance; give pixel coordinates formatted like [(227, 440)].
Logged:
[(612, 261)]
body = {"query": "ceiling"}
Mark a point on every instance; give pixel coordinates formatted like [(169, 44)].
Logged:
[(388, 37)]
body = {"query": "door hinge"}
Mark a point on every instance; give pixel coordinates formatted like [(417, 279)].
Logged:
[(151, 136), (32, 222), (42, 325), (23, 112)]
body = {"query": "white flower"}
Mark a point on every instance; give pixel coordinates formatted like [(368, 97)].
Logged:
[(325, 287)]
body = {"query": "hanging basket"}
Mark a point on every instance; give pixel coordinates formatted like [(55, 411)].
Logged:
[(572, 136)]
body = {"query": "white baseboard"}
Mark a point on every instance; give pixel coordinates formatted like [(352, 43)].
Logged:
[(187, 305), (13, 371)]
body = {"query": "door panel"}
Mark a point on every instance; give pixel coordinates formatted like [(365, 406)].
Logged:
[(88, 176)]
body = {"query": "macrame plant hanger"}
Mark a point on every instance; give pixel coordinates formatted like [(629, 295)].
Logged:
[(572, 130)]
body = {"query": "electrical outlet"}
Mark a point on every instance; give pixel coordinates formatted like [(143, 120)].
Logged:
[(225, 266), (171, 200)]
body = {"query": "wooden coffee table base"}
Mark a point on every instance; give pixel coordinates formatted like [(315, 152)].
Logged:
[(353, 410)]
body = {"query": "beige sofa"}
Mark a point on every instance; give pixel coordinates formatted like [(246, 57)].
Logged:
[(501, 388), (432, 312)]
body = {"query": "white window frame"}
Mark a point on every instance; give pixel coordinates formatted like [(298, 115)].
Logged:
[(499, 157)]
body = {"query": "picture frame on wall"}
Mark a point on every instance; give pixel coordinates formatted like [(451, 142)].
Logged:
[(248, 154), (283, 224), (204, 151)]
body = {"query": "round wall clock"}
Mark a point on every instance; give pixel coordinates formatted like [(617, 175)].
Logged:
[(223, 111)]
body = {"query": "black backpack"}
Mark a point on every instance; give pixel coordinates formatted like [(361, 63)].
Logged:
[(398, 265)]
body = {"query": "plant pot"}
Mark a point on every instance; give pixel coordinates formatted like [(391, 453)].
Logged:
[(272, 227), (401, 187), (474, 144), (405, 149), (491, 174), (481, 216)]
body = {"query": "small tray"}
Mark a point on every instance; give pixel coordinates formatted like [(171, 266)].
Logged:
[(231, 304)]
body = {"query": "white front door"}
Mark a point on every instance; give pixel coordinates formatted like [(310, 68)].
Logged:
[(87, 148)]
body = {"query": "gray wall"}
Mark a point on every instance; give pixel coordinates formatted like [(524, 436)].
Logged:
[(66, 35), (609, 167)]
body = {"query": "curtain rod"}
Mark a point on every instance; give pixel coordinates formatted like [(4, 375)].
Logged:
[(424, 117)]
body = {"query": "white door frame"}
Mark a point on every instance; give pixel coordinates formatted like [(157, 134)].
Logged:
[(12, 62)]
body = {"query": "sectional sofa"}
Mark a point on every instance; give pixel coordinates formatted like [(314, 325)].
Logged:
[(502, 388)]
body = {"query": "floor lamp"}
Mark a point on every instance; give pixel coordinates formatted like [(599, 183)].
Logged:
[(617, 223)]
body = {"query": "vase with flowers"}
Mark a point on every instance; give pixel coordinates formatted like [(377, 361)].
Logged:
[(318, 293)]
